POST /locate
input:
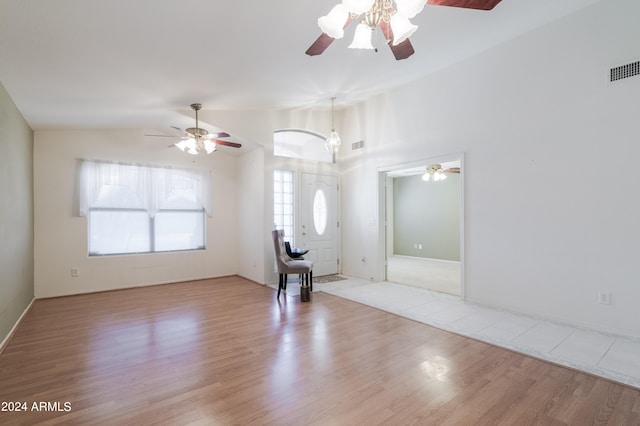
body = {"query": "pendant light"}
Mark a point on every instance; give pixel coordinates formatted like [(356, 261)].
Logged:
[(333, 141)]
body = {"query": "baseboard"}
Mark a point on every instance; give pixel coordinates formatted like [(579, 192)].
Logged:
[(252, 280), (430, 259), (128, 287), (5, 341)]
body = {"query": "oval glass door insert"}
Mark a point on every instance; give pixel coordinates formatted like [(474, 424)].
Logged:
[(320, 212)]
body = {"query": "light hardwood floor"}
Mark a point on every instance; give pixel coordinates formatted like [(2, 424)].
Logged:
[(225, 351)]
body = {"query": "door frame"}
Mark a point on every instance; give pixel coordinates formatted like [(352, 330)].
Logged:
[(298, 207), (385, 215)]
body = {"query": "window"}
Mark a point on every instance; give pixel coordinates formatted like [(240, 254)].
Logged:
[(143, 209), (283, 202)]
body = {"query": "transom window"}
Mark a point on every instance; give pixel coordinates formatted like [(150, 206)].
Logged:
[(299, 143)]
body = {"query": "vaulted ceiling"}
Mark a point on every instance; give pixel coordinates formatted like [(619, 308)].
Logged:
[(139, 64)]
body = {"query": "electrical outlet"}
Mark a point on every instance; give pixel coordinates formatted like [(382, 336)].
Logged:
[(75, 271), (604, 298)]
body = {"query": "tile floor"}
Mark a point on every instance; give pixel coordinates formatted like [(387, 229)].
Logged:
[(613, 357)]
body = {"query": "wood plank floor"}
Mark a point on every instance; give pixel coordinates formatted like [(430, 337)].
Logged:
[(225, 351)]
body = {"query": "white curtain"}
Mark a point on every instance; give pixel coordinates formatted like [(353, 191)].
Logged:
[(118, 185)]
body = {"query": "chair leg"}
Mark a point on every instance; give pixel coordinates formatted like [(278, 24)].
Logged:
[(279, 285), (310, 279), (285, 283)]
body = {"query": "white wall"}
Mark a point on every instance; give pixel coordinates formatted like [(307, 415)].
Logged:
[(550, 182), (61, 236), (16, 214), (251, 227)]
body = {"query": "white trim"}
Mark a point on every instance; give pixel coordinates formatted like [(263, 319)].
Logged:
[(5, 341), (463, 253)]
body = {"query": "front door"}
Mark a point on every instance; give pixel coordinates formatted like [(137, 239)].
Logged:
[(318, 225)]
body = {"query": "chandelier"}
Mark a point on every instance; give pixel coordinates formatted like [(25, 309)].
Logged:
[(372, 13), (333, 141)]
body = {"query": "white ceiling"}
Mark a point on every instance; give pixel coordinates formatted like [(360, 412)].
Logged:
[(140, 64)]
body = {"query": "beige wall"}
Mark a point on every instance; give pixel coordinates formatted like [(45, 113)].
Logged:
[(61, 235), (16, 214), (426, 214)]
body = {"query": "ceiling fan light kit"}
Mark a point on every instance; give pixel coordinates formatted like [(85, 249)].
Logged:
[(435, 173), (358, 6), (195, 140), (194, 143), (362, 37), (410, 8), (333, 23), (402, 28), (391, 16)]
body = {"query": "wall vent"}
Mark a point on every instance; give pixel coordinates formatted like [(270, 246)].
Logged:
[(624, 71), (357, 145)]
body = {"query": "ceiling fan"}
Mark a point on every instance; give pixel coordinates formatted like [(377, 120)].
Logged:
[(392, 16), (193, 140), (435, 172)]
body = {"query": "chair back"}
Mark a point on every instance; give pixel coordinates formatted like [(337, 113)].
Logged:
[(280, 250)]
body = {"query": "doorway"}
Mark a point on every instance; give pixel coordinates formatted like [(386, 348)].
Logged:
[(422, 226)]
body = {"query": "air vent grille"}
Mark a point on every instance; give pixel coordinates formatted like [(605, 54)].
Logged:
[(357, 145), (624, 71)]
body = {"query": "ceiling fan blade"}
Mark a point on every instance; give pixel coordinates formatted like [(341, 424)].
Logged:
[(467, 4), (182, 132), (320, 45), (227, 143), (322, 42), (400, 51), (216, 135), (452, 170)]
